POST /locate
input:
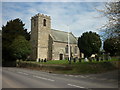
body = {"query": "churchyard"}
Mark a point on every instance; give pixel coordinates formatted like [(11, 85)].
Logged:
[(76, 67)]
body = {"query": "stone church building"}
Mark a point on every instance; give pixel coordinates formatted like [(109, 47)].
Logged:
[(50, 43)]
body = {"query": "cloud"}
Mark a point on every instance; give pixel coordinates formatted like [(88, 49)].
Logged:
[(80, 16), (58, 0)]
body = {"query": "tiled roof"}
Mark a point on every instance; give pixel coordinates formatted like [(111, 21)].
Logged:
[(61, 36)]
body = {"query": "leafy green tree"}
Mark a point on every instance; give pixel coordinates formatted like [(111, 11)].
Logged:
[(13, 28), (10, 31), (89, 43), (20, 48), (112, 46)]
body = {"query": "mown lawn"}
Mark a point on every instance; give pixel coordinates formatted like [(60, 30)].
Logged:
[(66, 62)]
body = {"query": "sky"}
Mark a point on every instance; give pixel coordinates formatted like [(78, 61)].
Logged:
[(77, 17)]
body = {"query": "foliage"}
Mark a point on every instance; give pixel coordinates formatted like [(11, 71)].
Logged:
[(10, 31), (89, 43), (112, 12), (112, 46), (112, 28), (13, 28), (20, 48)]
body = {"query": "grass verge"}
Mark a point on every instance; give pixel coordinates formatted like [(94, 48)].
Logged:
[(63, 66)]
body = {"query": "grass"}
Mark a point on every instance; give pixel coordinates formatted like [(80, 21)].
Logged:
[(66, 62), (63, 66)]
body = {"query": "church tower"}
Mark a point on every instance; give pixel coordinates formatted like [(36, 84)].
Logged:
[(40, 30)]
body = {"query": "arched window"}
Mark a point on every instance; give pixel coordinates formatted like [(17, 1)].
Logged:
[(44, 22), (66, 49)]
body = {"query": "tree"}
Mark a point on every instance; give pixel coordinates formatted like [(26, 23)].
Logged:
[(13, 28), (10, 31), (112, 12), (112, 28), (112, 46), (20, 48), (89, 43)]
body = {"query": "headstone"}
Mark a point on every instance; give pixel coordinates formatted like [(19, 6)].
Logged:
[(86, 60)]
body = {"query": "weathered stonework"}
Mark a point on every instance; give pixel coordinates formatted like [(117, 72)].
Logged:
[(40, 36), (46, 43), (59, 48)]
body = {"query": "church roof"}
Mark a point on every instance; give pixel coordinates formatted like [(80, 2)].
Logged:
[(61, 36)]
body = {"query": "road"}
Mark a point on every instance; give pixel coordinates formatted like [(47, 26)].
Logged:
[(26, 78)]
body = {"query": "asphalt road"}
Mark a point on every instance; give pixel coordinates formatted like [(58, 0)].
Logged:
[(26, 78)]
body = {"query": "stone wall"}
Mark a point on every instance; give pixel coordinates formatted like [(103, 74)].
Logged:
[(59, 48), (42, 43), (50, 49), (43, 36), (40, 31)]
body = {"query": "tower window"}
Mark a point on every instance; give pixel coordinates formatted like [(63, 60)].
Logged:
[(44, 22)]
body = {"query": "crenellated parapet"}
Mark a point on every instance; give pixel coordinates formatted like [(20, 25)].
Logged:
[(41, 16)]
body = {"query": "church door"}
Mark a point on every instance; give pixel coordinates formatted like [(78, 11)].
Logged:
[(61, 56)]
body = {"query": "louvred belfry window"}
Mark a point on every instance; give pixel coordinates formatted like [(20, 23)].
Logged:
[(44, 22)]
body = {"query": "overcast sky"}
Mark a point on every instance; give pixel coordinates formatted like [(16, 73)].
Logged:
[(79, 16)]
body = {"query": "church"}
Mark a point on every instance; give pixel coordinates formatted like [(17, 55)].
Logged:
[(49, 43)]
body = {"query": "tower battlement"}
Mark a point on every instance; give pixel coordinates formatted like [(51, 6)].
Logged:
[(41, 15)]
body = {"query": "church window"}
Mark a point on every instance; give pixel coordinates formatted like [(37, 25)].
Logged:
[(66, 49), (75, 49), (44, 22)]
